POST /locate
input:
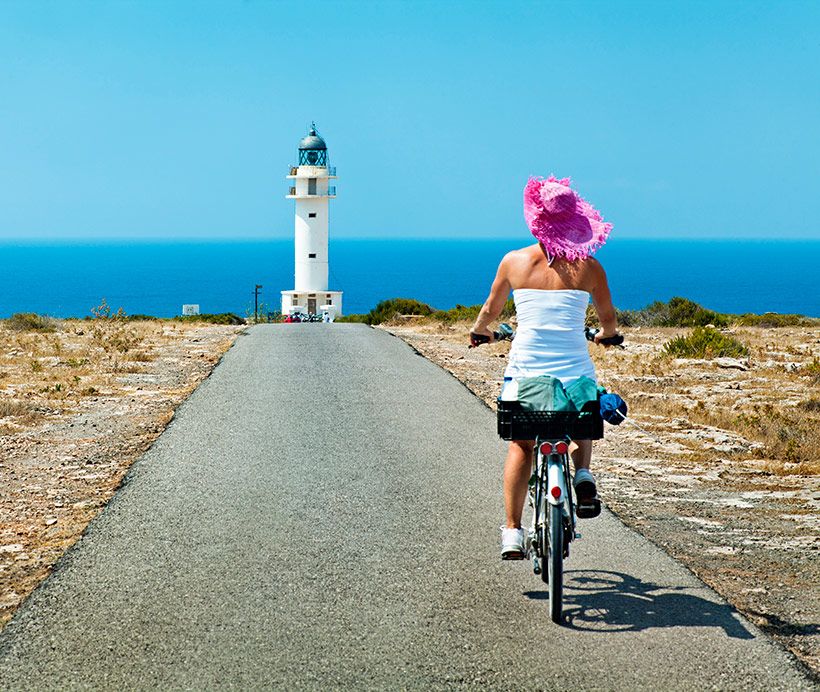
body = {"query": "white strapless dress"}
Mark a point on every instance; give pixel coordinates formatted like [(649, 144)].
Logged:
[(550, 337)]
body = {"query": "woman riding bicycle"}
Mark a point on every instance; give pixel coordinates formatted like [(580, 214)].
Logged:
[(552, 282)]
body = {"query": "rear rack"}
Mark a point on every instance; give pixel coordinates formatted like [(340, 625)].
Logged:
[(514, 423)]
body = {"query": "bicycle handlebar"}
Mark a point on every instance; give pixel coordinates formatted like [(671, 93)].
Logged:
[(616, 340), (505, 333)]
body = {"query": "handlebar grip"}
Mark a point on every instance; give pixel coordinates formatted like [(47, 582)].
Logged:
[(478, 339), (615, 340)]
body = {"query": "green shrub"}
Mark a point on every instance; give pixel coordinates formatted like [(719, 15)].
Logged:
[(354, 318), (813, 370), (773, 319), (388, 309), (30, 322), (468, 313), (211, 318), (458, 313), (678, 312), (686, 313), (141, 318), (705, 342)]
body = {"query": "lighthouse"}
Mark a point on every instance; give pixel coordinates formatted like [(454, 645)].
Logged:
[(311, 191)]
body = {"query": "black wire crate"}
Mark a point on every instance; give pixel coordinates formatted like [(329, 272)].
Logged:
[(514, 423)]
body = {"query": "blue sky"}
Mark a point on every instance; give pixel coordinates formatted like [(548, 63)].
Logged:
[(179, 119)]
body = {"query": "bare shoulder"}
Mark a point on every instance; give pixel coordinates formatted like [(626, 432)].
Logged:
[(515, 260), (592, 272), (593, 266)]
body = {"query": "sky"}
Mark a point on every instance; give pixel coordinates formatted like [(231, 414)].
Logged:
[(180, 119)]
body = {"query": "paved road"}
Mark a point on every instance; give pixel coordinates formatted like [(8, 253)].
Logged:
[(341, 531)]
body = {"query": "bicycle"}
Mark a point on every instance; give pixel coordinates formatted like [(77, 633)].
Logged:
[(553, 509), (554, 513)]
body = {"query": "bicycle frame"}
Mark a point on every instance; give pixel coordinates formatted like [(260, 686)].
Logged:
[(550, 471)]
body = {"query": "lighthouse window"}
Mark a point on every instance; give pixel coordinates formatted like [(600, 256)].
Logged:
[(311, 255), (312, 215)]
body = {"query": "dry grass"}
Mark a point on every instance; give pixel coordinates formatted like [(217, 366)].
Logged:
[(772, 405), (769, 404), (77, 406), (76, 360)]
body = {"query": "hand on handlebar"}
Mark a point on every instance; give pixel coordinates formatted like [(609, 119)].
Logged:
[(505, 333), (605, 341), (477, 339)]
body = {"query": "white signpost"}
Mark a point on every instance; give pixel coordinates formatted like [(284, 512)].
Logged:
[(191, 309)]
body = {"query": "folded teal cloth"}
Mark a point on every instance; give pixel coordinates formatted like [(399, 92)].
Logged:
[(546, 393)]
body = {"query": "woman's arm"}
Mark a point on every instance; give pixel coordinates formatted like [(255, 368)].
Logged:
[(499, 293), (602, 300)]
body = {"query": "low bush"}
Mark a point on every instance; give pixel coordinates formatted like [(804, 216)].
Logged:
[(30, 322), (458, 313), (678, 312), (813, 370), (142, 318), (773, 319), (212, 318), (103, 312), (705, 342), (468, 313), (686, 313), (354, 318), (388, 309)]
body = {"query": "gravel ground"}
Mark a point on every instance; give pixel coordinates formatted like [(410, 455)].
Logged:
[(64, 459), (340, 531), (745, 523)]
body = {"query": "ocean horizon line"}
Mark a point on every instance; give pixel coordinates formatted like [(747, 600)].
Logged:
[(161, 240)]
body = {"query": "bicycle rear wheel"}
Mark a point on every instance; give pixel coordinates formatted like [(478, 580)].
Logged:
[(555, 561)]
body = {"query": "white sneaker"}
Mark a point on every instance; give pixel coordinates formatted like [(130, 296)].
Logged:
[(512, 544)]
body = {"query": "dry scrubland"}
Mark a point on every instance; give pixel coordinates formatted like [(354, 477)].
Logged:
[(728, 480), (79, 402)]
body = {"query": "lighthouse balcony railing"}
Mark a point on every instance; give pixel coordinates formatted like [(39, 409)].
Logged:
[(330, 192)]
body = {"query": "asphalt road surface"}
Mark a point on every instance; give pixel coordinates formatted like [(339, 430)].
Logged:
[(323, 513)]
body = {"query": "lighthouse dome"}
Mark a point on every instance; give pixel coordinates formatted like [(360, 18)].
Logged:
[(312, 142), (312, 149)]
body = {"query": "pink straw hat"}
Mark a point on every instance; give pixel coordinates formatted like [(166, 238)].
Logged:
[(566, 225)]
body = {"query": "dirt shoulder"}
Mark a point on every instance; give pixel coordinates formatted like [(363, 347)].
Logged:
[(78, 406), (728, 478)]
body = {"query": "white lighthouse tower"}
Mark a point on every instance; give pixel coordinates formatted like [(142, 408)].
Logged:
[(312, 193)]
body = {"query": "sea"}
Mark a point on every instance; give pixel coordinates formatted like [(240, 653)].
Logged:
[(68, 279)]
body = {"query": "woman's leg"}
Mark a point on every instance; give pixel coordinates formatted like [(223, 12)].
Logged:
[(517, 472), (581, 453)]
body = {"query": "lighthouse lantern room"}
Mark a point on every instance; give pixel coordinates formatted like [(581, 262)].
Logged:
[(311, 190)]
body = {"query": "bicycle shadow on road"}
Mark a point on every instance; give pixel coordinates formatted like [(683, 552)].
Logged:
[(604, 601)]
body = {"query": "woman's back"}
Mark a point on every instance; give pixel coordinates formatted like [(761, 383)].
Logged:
[(529, 268), (551, 300)]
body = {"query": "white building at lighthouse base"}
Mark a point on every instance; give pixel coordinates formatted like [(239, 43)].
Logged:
[(312, 302)]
